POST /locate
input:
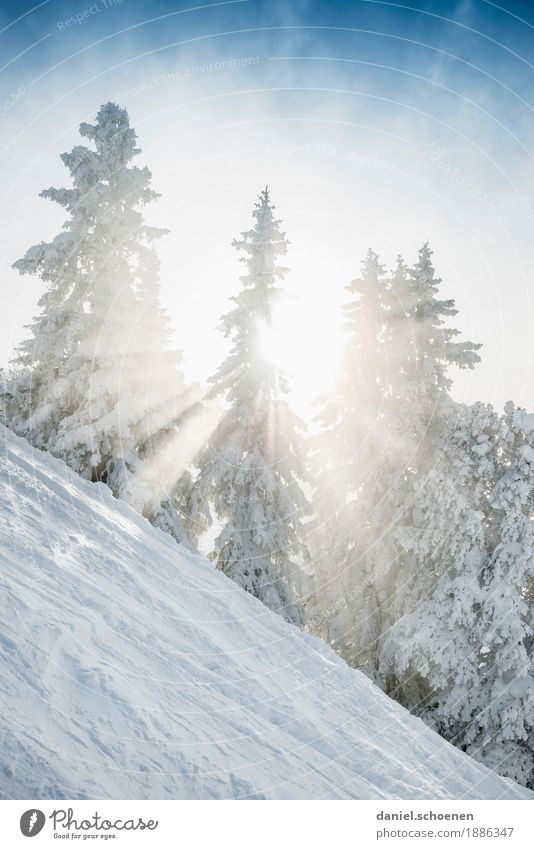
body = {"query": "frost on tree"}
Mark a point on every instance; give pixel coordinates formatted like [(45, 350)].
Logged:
[(97, 382), (432, 590), (345, 457), (430, 642), (383, 431), (502, 733), (419, 421), (463, 657), (251, 470)]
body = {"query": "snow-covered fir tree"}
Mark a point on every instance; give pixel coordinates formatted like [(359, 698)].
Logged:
[(387, 553), (462, 658), (430, 645), (443, 533), (353, 408), (501, 732), (420, 419), (97, 383), (345, 456), (251, 471), (434, 341)]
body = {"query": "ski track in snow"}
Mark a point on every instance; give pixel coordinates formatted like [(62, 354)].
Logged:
[(131, 669)]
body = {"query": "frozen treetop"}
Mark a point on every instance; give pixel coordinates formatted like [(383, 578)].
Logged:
[(112, 131), (263, 244)]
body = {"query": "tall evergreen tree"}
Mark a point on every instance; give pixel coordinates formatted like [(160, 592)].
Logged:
[(435, 597), (430, 645), (434, 342), (251, 470), (501, 731), (462, 657), (427, 421), (352, 410), (388, 549), (346, 457), (97, 380)]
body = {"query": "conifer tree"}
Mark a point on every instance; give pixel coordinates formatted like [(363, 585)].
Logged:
[(387, 560), (345, 455), (422, 420), (430, 645), (501, 731), (251, 470), (435, 348), (462, 657), (97, 380)]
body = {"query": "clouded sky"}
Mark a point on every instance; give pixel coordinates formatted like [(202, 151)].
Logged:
[(373, 123)]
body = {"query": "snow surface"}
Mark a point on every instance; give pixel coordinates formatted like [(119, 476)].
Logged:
[(130, 668)]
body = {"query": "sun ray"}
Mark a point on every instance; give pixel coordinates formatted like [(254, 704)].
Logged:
[(304, 341)]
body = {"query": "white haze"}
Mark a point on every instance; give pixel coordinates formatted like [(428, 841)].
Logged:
[(355, 155)]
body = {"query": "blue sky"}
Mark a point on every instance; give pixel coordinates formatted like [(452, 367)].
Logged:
[(374, 123)]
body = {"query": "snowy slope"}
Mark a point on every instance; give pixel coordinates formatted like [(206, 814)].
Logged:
[(129, 668)]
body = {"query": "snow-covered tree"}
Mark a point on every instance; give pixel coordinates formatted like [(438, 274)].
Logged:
[(428, 645), (501, 732), (444, 616), (351, 411), (342, 609), (389, 451), (421, 420), (463, 657), (434, 342), (97, 382), (251, 471), (3, 396)]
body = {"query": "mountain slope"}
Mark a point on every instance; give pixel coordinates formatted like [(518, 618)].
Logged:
[(130, 668)]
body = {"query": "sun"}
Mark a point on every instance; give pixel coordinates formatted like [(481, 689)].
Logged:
[(304, 341)]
